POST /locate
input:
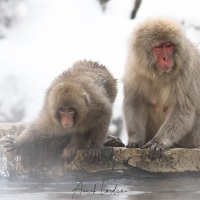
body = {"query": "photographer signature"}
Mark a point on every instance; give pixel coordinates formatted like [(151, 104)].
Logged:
[(80, 189)]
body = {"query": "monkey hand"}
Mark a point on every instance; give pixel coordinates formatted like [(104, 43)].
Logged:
[(94, 154), (9, 143), (69, 153), (156, 149)]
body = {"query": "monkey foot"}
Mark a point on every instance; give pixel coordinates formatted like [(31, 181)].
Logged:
[(69, 154), (132, 145), (156, 150), (94, 154), (9, 143)]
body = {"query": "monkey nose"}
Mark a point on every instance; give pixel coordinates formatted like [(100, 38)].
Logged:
[(164, 58)]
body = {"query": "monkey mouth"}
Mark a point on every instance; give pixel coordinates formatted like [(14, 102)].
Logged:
[(164, 73)]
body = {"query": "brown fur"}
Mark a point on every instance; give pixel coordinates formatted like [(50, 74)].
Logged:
[(162, 110), (89, 88)]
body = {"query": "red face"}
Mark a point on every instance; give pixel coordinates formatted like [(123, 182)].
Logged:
[(164, 55)]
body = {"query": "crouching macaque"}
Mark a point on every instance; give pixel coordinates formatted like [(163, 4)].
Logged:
[(78, 102), (162, 88)]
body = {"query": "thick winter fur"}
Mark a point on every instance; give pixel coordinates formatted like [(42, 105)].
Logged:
[(89, 88), (162, 110)]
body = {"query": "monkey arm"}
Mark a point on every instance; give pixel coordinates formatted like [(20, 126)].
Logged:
[(177, 124), (97, 137), (34, 131), (16, 143), (78, 141), (135, 114), (12, 143), (92, 141)]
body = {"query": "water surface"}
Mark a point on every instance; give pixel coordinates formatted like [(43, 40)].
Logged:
[(144, 188), (132, 185)]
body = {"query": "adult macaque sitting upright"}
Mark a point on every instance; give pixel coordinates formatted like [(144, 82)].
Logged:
[(162, 88)]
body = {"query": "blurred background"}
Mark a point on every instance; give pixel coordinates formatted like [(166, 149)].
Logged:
[(39, 39)]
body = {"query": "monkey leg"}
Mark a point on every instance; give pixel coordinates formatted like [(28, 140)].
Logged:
[(133, 145)]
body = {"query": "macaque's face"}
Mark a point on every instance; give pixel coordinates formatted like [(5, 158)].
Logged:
[(67, 116), (71, 109), (68, 105), (164, 56)]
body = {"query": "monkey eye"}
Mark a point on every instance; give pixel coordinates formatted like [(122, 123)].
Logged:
[(169, 45), (158, 47), (61, 109), (71, 109)]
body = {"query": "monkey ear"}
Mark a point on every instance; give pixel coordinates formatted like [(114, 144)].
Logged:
[(86, 97)]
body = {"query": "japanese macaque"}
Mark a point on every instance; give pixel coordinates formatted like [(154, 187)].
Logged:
[(78, 102), (162, 88)]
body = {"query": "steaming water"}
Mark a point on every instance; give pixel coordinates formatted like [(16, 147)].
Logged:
[(139, 185)]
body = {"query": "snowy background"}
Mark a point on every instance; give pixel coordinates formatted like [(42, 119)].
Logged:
[(41, 38)]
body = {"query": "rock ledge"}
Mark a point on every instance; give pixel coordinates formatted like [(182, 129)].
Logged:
[(118, 159)]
